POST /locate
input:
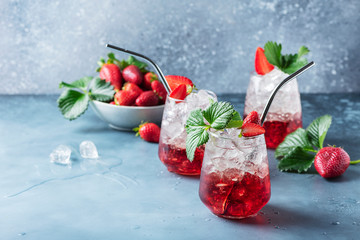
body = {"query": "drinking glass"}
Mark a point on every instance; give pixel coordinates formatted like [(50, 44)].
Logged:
[(172, 143), (284, 115), (235, 181)]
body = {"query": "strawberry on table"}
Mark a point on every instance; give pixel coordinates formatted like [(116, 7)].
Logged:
[(160, 90), (149, 132), (128, 86), (133, 74), (125, 98), (174, 81), (252, 129), (179, 92), (331, 162), (252, 117), (148, 79), (147, 98), (262, 66)]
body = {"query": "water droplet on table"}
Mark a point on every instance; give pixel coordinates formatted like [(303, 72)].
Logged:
[(22, 234), (88, 150), (207, 219), (61, 155), (335, 223)]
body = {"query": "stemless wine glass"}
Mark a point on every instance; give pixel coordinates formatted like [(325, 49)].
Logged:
[(235, 181), (172, 143), (284, 115)]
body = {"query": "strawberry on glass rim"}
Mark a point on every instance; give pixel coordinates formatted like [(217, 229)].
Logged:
[(174, 81)]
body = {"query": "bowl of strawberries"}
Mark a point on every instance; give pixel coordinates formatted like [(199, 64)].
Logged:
[(124, 95)]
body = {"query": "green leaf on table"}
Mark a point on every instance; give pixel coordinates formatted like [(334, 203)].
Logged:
[(295, 139), (219, 114), (101, 90), (236, 121), (296, 160), (82, 83), (317, 130), (73, 103)]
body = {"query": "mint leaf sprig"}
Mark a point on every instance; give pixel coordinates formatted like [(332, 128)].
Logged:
[(297, 152), (74, 101), (288, 63), (218, 116)]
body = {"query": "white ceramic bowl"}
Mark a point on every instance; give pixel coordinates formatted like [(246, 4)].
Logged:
[(125, 118)]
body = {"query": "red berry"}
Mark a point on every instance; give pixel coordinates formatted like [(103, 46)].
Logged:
[(132, 74), (148, 79), (179, 92), (125, 98), (174, 81), (253, 117), (111, 73), (160, 90), (112, 103), (149, 132), (147, 98), (252, 129), (128, 86), (262, 66), (331, 162)]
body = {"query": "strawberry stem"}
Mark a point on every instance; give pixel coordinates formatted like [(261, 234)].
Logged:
[(355, 162)]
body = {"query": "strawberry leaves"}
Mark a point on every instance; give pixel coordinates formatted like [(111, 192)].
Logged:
[(74, 101), (288, 63), (218, 115), (296, 152)]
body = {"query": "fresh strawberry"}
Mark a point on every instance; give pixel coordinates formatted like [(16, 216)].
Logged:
[(262, 66), (128, 86), (125, 98), (132, 74), (160, 90), (112, 103), (252, 129), (179, 92), (147, 98), (148, 79), (253, 117), (110, 72), (175, 81), (148, 131), (331, 162)]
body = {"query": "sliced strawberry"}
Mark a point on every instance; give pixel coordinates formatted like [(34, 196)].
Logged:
[(252, 129), (262, 66), (160, 90), (125, 98), (133, 74), (148, 131), (148, 79), (253, 117), (174, 81), (179, 92), (128, 86), (147, 98)]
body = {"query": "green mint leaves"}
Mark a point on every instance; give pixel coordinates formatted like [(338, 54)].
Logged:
[(288, 63), (296, 152), (74, 101), (218, 116)]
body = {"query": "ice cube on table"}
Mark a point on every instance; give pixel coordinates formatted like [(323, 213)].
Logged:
[(88, 150), (61, 155)]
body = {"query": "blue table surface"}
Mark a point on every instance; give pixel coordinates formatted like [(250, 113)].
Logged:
[(129, 194)]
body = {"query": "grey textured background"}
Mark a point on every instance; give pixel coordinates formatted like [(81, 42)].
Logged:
[(211, 42)]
